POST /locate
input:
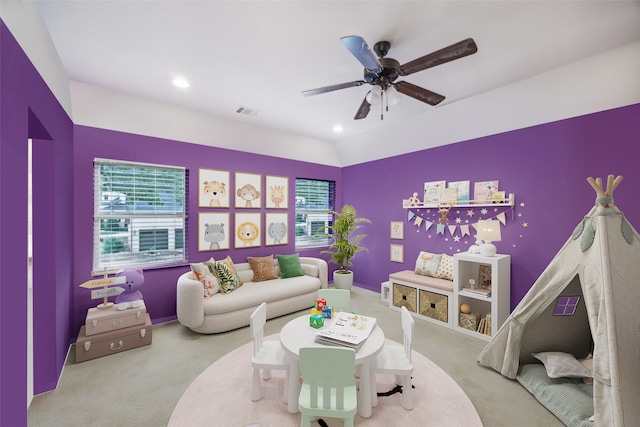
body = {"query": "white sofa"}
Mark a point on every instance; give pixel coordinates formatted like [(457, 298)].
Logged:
[(221, 313)]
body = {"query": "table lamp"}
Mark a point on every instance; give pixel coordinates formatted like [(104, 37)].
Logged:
[(488, 231)]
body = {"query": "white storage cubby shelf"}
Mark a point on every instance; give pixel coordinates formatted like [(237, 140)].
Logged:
[(510, 201), (466, 266)]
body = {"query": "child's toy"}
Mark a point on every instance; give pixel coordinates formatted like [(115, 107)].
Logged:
[(321, 303), (315, 311), (131, 297), (327, 312), (316, 321)]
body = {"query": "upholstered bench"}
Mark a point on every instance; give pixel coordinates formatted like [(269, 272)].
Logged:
[(426, 297)]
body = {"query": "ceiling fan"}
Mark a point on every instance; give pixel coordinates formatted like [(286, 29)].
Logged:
[(382, 72)]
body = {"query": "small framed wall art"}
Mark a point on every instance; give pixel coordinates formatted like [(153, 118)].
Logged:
[(248, 190), (277, 189), (247, 233), (213, 188), (396, 253), (397, 230), (484, 276), (213, 231), (277, 229)]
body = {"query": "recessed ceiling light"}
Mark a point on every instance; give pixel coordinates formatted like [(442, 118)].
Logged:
[(337, 128), (180, 82)]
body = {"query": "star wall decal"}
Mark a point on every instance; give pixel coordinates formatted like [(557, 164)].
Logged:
[(458, 220), (483, 211), (525, 224), (470, 212)]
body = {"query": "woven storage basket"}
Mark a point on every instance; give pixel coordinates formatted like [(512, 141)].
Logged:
[(434, 305), (469, 321), (405, 296)]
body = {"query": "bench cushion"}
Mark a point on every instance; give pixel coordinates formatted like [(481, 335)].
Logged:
[(430, 282)]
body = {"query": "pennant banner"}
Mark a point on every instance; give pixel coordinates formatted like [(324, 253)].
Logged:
[(440, 229), (418, 221), (502, 218), (410, 215), (452, 229), (464, 230), (427, 225)]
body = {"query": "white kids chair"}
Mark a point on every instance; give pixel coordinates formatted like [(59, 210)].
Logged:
[(337, 298), (396, 360), (267, 355)]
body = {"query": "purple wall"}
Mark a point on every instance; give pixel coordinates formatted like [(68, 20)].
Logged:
[(160, 285), (545, 166), (29, 109)]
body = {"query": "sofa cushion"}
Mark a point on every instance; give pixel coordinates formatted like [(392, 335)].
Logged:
[(290, 266), (252, 294), (263, 268), (227, 276), (203, 272), (431, 282)]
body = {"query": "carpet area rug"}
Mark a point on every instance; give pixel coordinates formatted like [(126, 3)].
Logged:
[(220, 397)]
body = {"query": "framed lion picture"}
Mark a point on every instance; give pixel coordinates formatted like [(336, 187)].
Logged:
[(248, 231)]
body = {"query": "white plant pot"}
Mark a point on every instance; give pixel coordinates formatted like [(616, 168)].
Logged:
[(343, 281)]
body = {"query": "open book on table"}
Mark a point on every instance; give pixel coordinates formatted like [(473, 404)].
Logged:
[(347, 329)]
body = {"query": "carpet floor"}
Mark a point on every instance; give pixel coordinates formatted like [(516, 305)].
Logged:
[(220, 397)]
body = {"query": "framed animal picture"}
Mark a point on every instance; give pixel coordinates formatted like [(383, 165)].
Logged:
[(277, 229), (248, 190), (396, 253), (397, 229), (277, 189), (213, 231), (213, 188), (247, 232)]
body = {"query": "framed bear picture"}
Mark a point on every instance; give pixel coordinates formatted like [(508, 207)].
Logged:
[(213, 231), (248, 232), (213, 188), (277, 192), (276, 229), (248, 190)]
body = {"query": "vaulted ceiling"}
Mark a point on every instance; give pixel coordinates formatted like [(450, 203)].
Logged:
[(537, 61)]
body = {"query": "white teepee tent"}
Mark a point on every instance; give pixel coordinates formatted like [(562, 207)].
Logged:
[(600, 263)]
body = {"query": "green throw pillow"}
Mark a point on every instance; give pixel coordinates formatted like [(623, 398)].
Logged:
[(290, 266)]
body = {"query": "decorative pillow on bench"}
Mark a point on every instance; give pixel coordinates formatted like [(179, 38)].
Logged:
[(427, 264)]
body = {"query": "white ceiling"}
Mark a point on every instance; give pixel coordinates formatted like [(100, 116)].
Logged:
[(262, 54)]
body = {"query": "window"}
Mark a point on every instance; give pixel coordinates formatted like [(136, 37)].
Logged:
[(139, 215), (313, 199)]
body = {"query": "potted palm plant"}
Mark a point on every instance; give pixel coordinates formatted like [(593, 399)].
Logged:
[(345, 243)]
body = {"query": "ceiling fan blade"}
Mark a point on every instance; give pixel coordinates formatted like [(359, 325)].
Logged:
[(363, 110), (363, 53), (419, 93), (331, 88), (455, 51)]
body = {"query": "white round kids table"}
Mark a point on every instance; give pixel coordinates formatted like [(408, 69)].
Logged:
[(298, 334)]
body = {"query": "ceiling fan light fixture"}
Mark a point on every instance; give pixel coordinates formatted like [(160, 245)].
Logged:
[(393, 96), (374, 95)]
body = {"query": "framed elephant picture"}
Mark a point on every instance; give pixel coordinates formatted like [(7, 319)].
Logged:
[(248, 193), (248, 231), (276, 229), (213, 188), (213, 231), (277, 192)]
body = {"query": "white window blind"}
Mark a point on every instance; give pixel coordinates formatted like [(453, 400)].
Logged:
[(313, 199), (140, 213)]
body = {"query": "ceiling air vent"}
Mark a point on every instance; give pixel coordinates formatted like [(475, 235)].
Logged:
[(247, 111)]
